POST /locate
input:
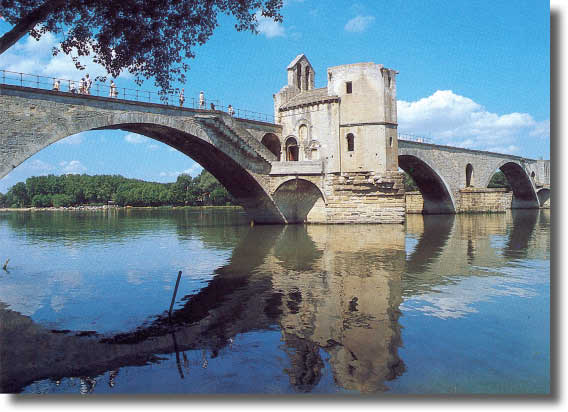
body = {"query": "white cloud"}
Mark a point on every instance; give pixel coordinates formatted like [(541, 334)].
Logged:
[(153, 147), (269, 27), (456, 120), (73, 166), (135, 138), (359, 23), (192, 171), (35, 57), (72, 140)]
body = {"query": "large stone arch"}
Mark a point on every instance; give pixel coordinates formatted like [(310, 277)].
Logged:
[(236, 166), (436, 192), (300, 201), (524, 191)]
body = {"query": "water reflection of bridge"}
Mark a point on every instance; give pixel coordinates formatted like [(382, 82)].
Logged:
[(336, 289)]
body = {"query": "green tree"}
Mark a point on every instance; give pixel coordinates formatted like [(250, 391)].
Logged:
[(409, 183), (499, 180), (148, 38)]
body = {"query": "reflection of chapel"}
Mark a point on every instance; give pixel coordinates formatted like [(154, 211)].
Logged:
[(347, 126)]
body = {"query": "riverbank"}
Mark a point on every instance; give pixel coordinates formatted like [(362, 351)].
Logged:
[(106, 207)]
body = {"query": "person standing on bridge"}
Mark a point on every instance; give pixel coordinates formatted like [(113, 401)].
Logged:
[(88, 84), (82, 86), (231, 111), (212, 106), (202, 100), (56, 85), (181, 98), (113, 92), (72, 87)]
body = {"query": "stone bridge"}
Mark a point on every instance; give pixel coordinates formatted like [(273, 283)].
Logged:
[(242, 155), (228, 147), (449, 176)]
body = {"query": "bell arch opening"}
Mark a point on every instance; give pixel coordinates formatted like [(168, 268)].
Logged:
[(437, 196), (300, 201)]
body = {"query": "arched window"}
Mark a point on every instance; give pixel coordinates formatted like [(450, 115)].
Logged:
[(307, 77), (350, 142), (390, 141), (303, 134), (468, 174), (292, 151), (533, 175), (299, 75)]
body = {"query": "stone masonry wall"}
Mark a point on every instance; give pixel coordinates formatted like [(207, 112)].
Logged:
[(414, 202), (362, 197), (472, 200)]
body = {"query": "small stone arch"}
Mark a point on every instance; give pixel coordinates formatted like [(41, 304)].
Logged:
[(300, 201), (468, 175), (272, 142), (543, 197), (437, 196), (292, 149)]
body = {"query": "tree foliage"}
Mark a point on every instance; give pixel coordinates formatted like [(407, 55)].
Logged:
[(499, 180), (148, 38), (73, 190)]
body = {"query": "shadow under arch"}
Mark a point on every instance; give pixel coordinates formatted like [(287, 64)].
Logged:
[(437, 196), (296, 198), (543, 196), (272, 142), (233, 169), (524, 193)]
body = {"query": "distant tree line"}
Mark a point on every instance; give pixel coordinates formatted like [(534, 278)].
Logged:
[(75, 190)]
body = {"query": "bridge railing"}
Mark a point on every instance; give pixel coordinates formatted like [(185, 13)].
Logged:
[(102, 89), (414, 138)]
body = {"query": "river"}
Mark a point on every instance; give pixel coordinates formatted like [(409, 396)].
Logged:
[(439, 305)]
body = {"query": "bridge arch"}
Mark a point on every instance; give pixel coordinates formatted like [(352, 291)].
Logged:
[(436, 192), (543, 196), (300, 201), (524, 191), (195, 137)]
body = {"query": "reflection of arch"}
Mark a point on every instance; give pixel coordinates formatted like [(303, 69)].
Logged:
[(468, 174), (296, 198), (543, 195), (292, 151), (271, 141), (524, 193), (437, 196), (437, 231)]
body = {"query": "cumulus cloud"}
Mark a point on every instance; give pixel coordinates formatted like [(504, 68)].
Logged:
[(456, 120), (73, 166), (269, 27), (192, 171), (135, 138), (359, 24), (35, 57)]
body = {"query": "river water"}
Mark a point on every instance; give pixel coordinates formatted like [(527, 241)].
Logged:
[(440, 305)]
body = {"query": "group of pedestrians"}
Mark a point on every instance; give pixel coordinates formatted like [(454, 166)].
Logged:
[(85, 88), (230, 109)]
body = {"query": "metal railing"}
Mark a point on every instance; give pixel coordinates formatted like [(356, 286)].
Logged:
[(101, 89), (414, 138)]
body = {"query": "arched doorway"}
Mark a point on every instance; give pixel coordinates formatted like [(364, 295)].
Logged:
[(271, 141), (292, 150)]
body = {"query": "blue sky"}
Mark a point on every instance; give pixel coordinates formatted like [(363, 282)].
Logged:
[(472, 73)]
